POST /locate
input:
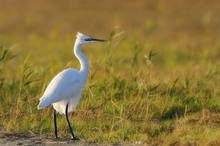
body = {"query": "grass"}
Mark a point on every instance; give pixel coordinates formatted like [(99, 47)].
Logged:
[(158, 84), (126, 99)]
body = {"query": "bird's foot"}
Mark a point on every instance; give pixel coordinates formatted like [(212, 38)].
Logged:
[(56, 138), (74, 138)]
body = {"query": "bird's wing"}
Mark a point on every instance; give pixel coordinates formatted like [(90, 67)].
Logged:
[(64, 85)]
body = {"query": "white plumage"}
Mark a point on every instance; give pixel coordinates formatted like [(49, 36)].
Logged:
[(65, 89)]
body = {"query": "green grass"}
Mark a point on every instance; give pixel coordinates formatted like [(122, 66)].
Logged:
[(128, 97)]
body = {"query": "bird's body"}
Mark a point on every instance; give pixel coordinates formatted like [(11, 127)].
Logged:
[(65, 89)]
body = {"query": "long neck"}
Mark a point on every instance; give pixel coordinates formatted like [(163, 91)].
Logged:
[(84, 69)]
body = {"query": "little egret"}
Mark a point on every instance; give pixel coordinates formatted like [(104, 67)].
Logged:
[(65, 89)]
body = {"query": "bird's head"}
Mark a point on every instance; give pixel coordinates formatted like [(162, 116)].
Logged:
[(84, 39)]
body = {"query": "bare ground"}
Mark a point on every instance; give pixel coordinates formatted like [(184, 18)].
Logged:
[(23, 139)]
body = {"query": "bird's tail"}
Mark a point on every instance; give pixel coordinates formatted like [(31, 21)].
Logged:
[(42, 104)]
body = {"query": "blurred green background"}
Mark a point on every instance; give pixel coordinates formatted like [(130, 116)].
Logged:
[(182, 23)]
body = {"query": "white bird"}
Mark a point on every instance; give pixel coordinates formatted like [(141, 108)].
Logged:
[(65, 89)]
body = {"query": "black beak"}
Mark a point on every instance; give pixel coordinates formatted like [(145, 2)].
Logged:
[(95, 40)]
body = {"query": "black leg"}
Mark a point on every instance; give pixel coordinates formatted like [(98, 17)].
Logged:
[(73, 137), (55, 123)]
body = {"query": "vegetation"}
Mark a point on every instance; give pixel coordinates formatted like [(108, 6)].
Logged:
[(139, 89)]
